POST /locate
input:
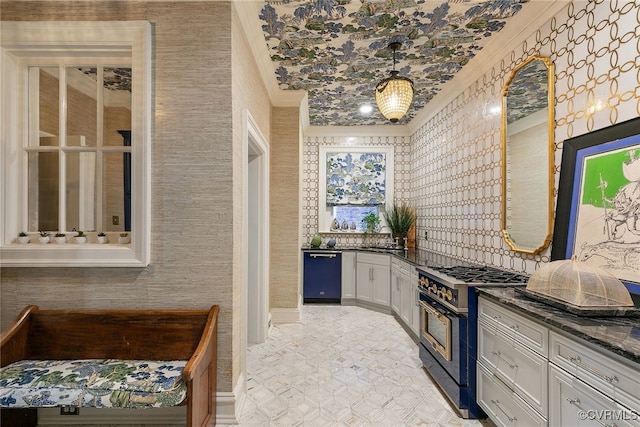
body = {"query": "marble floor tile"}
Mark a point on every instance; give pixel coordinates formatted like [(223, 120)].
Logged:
[(342, 366)]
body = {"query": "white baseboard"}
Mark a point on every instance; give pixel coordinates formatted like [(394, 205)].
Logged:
[(229, 404), (286, 315)]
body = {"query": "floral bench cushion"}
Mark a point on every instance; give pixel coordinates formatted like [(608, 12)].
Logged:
[(92, 383)]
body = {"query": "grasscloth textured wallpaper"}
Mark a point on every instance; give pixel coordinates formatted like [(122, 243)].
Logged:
[(453, 174)]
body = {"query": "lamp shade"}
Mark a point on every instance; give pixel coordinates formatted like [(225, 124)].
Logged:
[(393, 96)]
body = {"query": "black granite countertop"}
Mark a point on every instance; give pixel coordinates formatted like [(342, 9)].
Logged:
[(416, 257), (620, 335)]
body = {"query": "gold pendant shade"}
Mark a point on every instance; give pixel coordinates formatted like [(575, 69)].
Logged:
[(394, 94)]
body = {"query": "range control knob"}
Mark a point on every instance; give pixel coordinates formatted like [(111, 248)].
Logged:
[(449, 295), (433, 288)]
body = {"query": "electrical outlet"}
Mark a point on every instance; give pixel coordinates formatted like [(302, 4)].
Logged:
[(69, 410), (115, 220)]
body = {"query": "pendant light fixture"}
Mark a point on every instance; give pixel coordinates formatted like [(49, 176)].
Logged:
[(394, 94)]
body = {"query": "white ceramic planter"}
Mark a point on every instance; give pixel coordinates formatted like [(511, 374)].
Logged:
[(61, 240), (102, 239), (123, 239), (23, 239), (81, 239), (43, 239)]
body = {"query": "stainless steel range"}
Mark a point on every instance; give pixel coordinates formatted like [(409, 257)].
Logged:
[(448, 331)]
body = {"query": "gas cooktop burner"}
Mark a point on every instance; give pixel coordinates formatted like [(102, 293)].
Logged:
[(480, 274)]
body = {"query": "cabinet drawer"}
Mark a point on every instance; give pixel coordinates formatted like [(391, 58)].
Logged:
[(597, 367), (377, 259), (533, 335), (574, 403), (502, 405), (401, 266), (520, 368)]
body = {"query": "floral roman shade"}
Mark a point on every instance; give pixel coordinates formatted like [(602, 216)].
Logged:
[(356, 178)]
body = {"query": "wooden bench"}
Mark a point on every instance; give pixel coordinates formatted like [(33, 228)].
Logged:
[(187, 335)]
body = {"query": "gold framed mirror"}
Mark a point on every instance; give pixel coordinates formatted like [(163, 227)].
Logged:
[(527, 140)]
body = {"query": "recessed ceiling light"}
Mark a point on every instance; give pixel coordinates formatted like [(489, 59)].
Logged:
[(366, 109)]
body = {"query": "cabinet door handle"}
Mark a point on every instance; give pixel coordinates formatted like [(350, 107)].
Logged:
[(576, 402), (499, 356), (578, 362), (497, 403), (322, 255)]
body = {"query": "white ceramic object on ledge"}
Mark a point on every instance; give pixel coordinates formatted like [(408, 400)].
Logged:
[(43, 239), (81, 239), (123, 239), (102, 239), (23, 239), (61, 239)]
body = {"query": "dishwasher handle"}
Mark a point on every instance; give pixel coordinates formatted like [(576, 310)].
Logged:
[(323, 255)]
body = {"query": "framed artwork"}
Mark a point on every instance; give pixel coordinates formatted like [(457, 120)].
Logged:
[(598, 208)]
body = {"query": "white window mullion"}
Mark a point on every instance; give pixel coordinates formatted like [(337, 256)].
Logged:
[(100, 153), (62, 159), (32, 140)]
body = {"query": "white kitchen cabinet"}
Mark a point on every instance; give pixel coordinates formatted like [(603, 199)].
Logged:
[(608, 373), (517, 366), (381, 285), (348, 277), (404, 294), (373, 279), (396, 277), (415, 324), (512, 362), (574, 403), (406, 298), (531, 373), (502, 405)]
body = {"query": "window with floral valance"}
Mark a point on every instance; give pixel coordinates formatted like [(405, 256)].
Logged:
[(353, 176)]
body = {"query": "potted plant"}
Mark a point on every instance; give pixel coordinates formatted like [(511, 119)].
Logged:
[(44, 237), (60, 238), (124, 238), (371, 226), (80, 237), (23, 237), (400, 219), (102, 237)]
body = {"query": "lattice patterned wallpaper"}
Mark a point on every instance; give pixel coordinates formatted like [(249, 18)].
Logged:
[(311, 198), (450, 168)]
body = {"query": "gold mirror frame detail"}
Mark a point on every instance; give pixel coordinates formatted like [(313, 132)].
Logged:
[(509, 179)]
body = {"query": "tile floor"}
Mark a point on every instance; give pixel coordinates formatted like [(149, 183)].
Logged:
[(342, 366)]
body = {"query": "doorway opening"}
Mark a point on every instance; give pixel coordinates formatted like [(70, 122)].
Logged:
[(256, 237)]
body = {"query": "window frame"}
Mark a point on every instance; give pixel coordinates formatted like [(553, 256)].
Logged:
[(20, 41), (325, 213)]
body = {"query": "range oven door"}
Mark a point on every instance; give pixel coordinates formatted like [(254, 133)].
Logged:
[(435, 328)]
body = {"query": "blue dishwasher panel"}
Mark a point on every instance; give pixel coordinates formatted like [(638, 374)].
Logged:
[(322, 281)]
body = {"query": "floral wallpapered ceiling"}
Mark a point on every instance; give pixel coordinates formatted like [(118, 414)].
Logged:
[(337, 50), (528, 91), (114, 78)]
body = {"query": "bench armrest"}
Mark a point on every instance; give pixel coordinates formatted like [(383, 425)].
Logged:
[(14, 340), (200, 375)]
